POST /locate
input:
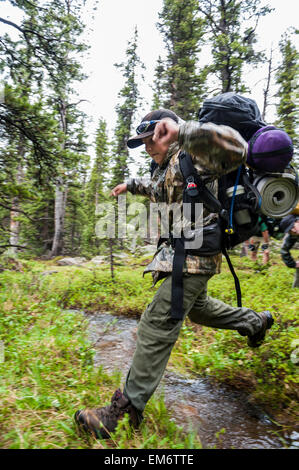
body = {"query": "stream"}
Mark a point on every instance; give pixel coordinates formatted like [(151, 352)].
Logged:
[(221, 415)]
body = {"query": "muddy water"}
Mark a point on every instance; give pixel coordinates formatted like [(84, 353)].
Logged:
[(222, 416)]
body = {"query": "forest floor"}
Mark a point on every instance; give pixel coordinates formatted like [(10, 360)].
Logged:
[(46, 357)]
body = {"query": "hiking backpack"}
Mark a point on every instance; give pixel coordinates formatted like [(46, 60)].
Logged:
[(270, 185), (238, 206), (230, 109), (239, 201)]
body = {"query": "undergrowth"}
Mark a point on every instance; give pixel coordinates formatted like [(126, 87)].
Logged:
[(47, 361), (46, 364)]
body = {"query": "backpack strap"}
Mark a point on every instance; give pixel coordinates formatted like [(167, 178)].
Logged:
[(196, 189), (230, 228), (236, 279)]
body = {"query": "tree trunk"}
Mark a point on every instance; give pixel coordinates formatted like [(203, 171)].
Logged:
[(60, 205), (45, 235), (14, 214), (267, 89), (225, 71), (73, 230), (60, 194), (14, 225), (111, 257)]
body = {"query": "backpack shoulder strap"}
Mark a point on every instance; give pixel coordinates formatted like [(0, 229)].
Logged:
[(195, 187)]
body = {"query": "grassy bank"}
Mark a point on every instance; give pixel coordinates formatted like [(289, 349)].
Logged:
[(47, 368), (46, 362), (269, 373)]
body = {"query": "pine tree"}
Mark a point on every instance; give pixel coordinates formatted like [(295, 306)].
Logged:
[(159, 85), (27, 130), (95, 188), (182, 31), (287, 79), (232, 31), (52, 128), (64, 18), (129, 101), (267, 88)]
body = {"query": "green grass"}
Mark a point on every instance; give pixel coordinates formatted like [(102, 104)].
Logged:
[(47, 372), (268, 372)]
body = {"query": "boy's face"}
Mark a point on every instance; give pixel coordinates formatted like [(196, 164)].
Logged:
[(156, 150), (295, 229)]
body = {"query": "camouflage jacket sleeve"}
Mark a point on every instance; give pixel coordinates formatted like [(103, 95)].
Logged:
[(142, 186), (287, 244), (216, 150)]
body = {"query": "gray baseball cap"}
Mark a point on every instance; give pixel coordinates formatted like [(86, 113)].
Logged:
[(148, 124)]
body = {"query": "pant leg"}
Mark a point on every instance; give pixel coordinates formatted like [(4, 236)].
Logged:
[(212, 312), (296, 278), (156, 336)]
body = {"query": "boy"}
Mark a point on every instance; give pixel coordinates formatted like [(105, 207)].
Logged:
[(215, 150)]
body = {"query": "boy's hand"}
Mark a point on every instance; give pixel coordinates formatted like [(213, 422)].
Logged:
[(166, 132), (119, 189)]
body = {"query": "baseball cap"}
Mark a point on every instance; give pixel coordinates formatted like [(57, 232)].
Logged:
[(148, 124)]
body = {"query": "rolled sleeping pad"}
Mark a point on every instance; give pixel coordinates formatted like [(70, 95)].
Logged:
[(280, 195)]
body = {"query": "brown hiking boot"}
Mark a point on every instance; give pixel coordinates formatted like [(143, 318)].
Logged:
[(256, 340), (100, 422)]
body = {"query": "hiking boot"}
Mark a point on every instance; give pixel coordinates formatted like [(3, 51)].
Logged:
[(100, 422), (256, 340)]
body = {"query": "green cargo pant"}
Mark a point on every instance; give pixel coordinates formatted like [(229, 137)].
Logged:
[(158, 332)]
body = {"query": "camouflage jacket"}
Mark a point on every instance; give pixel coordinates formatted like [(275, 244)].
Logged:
[(215, 151)]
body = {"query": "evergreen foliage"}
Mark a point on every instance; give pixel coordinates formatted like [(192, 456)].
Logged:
[(41, 127), (129, 99), (48, 192), (287, 77), (158, 85), (181, 84), (95, 190), (232, 31)]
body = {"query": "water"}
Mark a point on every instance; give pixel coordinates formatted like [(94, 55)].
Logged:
[(221, 415)]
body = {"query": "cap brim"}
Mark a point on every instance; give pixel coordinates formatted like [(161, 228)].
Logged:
[(134, 142)]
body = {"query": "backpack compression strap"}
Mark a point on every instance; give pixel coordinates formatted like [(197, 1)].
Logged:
[(236, 279)]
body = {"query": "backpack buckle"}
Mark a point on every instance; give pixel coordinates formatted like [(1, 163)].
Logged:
[(191, 186)]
